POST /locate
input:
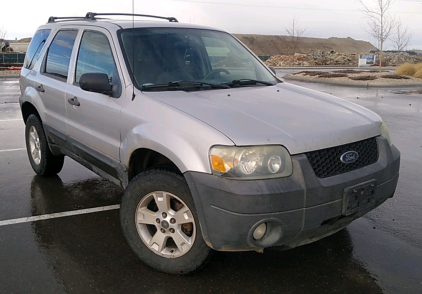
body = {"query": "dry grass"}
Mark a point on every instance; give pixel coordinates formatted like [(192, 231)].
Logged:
[(363, 78), (406, 69), (418, 66), (418, 74), (395, 77)]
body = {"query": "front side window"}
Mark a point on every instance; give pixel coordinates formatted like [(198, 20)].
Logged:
[(94, 56), (58, 56), (34, 49)]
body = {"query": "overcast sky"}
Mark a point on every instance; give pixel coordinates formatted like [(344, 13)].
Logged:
[(321, 19)]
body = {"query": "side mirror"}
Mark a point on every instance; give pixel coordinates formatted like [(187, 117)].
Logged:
[(273, 70), (95, 82)]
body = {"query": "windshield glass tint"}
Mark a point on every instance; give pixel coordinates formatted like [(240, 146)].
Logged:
[(163, 55)]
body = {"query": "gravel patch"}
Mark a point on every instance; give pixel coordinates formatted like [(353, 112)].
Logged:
[(8, 72)]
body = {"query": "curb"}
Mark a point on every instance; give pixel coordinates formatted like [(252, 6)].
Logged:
[(9, 77), (365, 84)]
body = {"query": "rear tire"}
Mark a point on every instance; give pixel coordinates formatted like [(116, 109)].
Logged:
[(43, 162), (160, 223)]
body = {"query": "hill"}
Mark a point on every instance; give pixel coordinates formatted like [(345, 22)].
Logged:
[(281, 45)]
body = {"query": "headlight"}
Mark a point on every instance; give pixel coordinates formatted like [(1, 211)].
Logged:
[(386, 133), (251, 163)]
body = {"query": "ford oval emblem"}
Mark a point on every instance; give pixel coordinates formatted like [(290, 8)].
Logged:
[(349, 157)]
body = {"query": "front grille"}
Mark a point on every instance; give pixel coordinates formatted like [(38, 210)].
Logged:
[(326, 162)]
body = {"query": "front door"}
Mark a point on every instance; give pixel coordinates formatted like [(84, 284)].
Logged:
[(93, 118)]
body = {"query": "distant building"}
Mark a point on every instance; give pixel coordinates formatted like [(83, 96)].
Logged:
[(18, 47), (2, 45), (13, 46)]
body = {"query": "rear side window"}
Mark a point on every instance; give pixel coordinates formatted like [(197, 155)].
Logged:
[(58, 56), (35, 47)]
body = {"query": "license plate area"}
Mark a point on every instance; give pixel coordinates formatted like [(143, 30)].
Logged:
[(359, 197)]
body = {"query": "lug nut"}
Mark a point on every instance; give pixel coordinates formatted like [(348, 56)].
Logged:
[(172, 230), (172, 221), (157, 220), (164, 215), (163, 231)]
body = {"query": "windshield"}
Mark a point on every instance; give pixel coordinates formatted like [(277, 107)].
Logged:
[(204, 58)]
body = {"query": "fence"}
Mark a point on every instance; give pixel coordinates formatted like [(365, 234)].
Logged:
[(12, 58), (264, 57)]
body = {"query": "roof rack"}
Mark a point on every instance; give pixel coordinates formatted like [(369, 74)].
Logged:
[(92, 16)]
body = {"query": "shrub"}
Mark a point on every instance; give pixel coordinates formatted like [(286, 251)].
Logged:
[(418, 74), (406, 69)]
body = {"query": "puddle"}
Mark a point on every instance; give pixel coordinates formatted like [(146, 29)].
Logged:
[(406, 91)]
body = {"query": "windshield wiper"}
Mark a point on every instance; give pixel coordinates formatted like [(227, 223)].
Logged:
[(184, 85), (248, 82)]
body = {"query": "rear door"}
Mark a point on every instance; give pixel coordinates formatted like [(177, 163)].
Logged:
[(51, 82), (93, 123)]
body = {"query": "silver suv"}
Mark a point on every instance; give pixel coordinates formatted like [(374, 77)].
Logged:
[(213, 150)]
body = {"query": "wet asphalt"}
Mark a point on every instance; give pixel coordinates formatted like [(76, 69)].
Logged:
[(87, 253)]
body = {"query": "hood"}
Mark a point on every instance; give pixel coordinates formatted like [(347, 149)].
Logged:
[(300, 119)]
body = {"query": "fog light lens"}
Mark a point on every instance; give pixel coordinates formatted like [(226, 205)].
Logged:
[(260, 231)]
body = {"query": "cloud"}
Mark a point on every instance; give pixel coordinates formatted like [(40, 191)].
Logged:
[(323, 18)]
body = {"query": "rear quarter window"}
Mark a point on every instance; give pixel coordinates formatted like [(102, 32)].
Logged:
[(34, 49)]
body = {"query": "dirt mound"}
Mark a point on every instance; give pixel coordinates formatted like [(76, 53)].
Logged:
[(285, 60), (281, 45), (24, 40)]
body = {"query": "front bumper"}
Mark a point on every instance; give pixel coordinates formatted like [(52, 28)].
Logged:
[(297, 210)]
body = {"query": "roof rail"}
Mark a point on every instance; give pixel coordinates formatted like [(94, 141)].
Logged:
[(54, 18), (92, 15)]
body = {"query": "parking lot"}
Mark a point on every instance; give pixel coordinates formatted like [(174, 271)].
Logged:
[(62, 234)]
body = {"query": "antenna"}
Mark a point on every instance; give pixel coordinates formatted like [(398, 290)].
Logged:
[(133, 48)]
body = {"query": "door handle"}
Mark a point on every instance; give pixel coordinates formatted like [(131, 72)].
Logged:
[(74, 101), (40, 88)]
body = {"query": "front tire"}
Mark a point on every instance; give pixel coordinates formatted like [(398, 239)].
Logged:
[(160, 223), (43, 162)]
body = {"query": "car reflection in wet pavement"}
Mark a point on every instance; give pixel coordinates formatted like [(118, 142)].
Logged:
[(88, 254)]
